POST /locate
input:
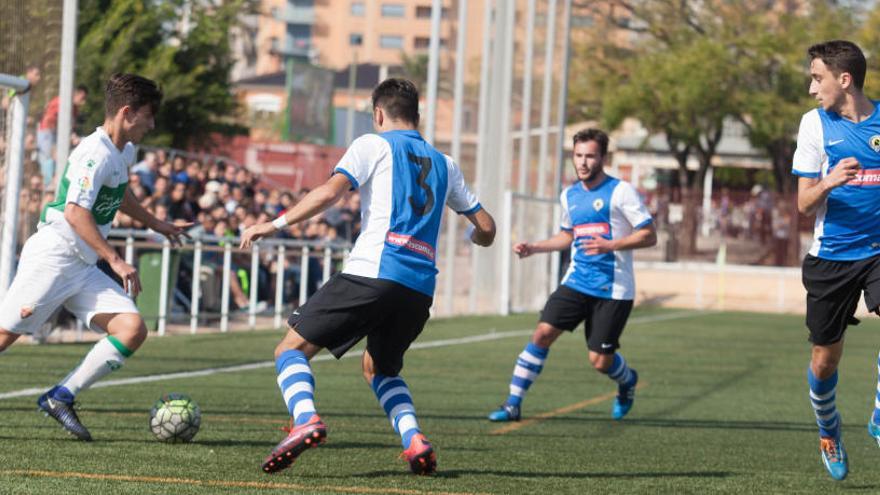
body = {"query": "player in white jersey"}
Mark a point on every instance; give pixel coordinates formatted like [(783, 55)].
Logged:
[(57, 265), (837, 162), (387, 286), (603, 220)]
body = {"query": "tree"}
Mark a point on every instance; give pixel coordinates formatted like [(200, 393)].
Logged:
[(690, 66), (191, 61), (675, 79)]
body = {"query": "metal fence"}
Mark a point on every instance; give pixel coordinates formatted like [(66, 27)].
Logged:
[(281, 274)]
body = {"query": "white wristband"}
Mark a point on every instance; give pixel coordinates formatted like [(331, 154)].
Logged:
[(280, 222)]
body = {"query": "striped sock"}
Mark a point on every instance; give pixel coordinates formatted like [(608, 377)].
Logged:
[(529, 364), (822, 397), (394, 397), (876, 417), (620, 372), (107, 355), (297, 385)]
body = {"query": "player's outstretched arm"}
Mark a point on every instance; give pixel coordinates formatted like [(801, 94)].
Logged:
[(558, 242), (316, 201), (82, 222), (639, 238), (484, 228), (812, 192), (173, 231)]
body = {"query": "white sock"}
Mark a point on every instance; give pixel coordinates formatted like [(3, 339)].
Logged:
[(106, 356)]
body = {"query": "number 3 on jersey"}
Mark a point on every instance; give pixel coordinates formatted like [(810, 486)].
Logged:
[(424, 163)]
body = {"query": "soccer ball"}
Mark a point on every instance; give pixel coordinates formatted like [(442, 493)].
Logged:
[(175, 418)]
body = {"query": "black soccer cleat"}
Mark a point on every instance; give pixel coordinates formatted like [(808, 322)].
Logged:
[(63, 413)]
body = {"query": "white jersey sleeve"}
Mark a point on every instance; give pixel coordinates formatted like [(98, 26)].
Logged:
[(810, 153), (459, 198), (632, 207), (564, 217), (360, 159), (86, 174)]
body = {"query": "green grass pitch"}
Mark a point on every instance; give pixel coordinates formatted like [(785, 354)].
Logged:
[(723, 409)]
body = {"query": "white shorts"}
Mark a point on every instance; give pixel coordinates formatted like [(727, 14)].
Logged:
[(50, 275)]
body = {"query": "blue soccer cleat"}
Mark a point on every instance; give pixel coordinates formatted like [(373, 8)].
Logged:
[(63, 413), (626, 395), (874, 430), (507, 412), (834, 457)]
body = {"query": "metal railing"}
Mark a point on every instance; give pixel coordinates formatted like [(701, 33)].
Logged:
[(281, 249)]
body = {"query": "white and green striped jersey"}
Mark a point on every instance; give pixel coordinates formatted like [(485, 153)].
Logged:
[(95, 178)]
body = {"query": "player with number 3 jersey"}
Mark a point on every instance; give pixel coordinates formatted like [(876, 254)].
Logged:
[(386, 289)]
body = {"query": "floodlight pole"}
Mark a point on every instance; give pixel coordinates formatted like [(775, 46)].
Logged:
[(65, 85), (563, 96), (433, 69), (482, 133), (458, 97)]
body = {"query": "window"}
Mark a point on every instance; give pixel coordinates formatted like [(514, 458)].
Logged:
[(358, 9), (355, 39), (424, 12), (387, 41), (393, 10), (423, 43)]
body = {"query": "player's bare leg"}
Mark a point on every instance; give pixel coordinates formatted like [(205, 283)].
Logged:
[(7, 338)]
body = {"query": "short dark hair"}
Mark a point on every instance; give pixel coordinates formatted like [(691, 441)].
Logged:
[(600, 137), (399, 98), (131, 90), (83, 88), (841, 56)]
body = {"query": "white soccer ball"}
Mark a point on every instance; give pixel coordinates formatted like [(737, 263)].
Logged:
[(175, 418)]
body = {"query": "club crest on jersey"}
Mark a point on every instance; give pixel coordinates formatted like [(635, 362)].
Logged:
[(85, 184), (875, 142), (598, 204)]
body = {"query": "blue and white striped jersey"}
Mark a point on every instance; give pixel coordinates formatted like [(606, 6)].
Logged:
[(848, 222), (612, 210), (403, 182)]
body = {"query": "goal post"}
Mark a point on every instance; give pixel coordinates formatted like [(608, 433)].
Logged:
[(14, 120), (526, 283)]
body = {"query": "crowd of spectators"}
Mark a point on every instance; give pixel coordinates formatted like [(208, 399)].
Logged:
[(222, 199)]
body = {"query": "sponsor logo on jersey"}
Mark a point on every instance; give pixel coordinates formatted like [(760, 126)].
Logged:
[(106, 207), (591, 229), (875, 142), (408, 242), (866, 177), (598, 204), (85, 184)]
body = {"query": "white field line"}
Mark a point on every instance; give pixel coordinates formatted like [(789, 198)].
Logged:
[(492, 335)]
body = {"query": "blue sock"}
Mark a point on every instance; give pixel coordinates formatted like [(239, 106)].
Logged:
[(529, 364), (297, 385), (395, 399), (620, 372), (876, 416), (822, 396), (61, 394)]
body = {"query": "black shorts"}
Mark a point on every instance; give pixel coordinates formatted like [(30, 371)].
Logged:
[(604, 319), (348, 308), (833, 290)]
